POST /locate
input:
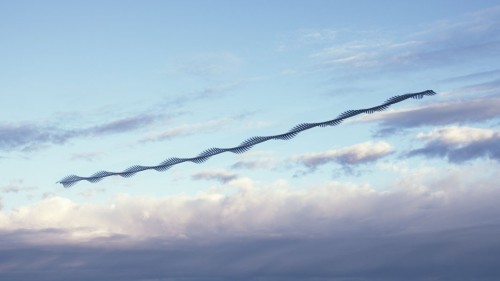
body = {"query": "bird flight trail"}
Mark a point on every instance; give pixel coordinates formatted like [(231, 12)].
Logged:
[(245, 145)]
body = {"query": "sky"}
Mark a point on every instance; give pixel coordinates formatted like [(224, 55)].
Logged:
[(410, 193)]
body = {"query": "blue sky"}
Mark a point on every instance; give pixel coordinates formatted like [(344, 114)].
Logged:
[(102, 85)]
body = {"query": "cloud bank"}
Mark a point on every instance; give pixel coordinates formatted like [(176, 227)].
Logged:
[(429, 225)]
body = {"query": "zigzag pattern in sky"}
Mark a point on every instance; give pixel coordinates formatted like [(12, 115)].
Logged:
[(245, 145)]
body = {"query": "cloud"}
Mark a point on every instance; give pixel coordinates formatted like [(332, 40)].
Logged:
[(121, 125), (87, 156), (352, 155), (309, 36), (475, 36), (473, 76), (444, 113), (221, 176), (486, 89), (460, 144), (209, 65), (187, 129), (254, 164), (31, 136), (204, 94), (306, 36), (255, 160), (442, 224), (16, 187)]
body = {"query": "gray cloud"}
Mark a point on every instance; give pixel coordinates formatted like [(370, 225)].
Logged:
[(353, 155), (428, 228), (31, 136), (461, 254), (222, 176), (460, 144), (122, 125), (445, 113)]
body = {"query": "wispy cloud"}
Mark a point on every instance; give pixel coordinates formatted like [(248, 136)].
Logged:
[(204, 94), (208, 65), (257, 160), (254, 164), (485, 88), (473, 37), (188, 129), (460, 144), (87, 156), (222, 176), (31, 136), (16, 187), (121, 125), (352, 155), (473, 76), (307, 36), (444, 113)]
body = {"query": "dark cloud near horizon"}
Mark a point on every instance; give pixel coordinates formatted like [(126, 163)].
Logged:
[(458, 254), (443, 227)]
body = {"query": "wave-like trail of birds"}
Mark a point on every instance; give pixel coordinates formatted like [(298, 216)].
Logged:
[(245, 145)]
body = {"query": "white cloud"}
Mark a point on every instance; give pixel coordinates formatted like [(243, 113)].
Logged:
[(460, 144), (455, 135), (257, 210)]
